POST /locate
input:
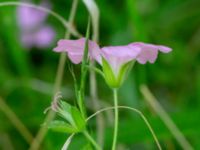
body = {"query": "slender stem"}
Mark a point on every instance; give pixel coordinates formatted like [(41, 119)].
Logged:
[(135, 110), (93, 68), (43, 130), (66, 24), (149, 97), (116, 119), (87, 135), (15, 121), (93, 10)]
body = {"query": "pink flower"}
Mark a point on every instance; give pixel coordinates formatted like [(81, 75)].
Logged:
[(75, 49), (119, 58), (116, 61)]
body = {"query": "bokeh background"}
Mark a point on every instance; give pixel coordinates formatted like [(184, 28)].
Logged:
[(27, 71)]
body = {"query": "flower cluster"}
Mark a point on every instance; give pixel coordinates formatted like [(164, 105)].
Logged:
[(115, 60)]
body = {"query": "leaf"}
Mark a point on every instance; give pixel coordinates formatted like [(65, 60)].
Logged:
[(61, 126), (78, 118), (72, 115), (65, 112)]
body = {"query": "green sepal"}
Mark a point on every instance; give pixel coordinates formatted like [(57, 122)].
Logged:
[(115, 81), (124, 70), (61, 126), (108, 74)]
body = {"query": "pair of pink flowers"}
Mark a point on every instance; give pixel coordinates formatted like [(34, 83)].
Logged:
[(35, 32), (114, 56)]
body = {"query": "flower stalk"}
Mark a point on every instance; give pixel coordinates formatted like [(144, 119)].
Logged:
[(116, 119), (93, 142)]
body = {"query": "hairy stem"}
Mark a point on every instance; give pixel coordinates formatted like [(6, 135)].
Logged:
[(87, 135), (43, 130), (165, 118), (116, 119), (16, 121)]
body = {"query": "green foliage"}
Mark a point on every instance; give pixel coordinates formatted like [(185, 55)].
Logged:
[(78, 119), (75, 121), (61, 126)]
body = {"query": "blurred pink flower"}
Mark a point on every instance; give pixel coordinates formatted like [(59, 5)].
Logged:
[(34, 31), (75, 49)]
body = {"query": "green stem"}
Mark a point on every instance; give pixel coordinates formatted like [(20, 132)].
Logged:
[(116, 119), (87, 135)]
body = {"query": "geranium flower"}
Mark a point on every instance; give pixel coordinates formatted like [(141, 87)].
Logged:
[(119, 59), (34, 31), (115, 60)]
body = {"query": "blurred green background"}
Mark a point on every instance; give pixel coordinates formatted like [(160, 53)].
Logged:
[(27, 75)]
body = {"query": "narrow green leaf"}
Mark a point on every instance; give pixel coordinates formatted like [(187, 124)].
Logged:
[(61, 126), (65, 112), (78, 119)]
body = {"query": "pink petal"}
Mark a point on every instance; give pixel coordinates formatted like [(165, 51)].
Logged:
[(149, 52), (164, 49), (75, 49), (94, 51), (75, 58)]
